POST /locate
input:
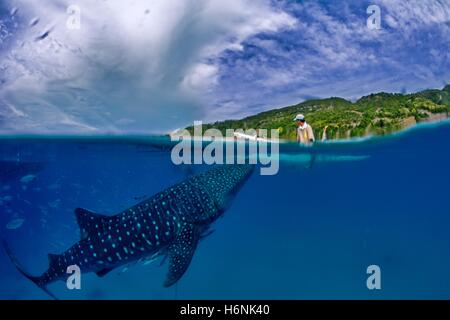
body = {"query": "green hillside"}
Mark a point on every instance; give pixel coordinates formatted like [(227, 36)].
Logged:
[(376, 114)]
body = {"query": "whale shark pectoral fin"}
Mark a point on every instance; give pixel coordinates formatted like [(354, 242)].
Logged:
[(104, 272), (89, 222), (180, 253)]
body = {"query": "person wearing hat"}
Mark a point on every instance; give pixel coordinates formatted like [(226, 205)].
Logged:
[(305, 134)]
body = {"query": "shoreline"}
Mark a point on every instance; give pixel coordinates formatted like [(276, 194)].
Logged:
[(165, 138), (432, 120)]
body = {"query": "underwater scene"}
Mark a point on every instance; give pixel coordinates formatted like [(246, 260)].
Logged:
[(309, 232)]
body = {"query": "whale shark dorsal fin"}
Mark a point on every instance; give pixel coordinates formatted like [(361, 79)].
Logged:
[(89, 222), (181, 252)]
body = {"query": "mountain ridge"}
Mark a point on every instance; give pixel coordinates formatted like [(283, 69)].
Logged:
[(336, 118)]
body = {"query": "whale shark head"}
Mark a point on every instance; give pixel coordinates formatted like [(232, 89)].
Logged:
[(225, 181)]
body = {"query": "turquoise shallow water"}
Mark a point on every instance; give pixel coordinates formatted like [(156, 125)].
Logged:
[(308, 232)]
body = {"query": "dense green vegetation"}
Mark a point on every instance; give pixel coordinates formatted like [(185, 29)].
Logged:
[(376, 114)]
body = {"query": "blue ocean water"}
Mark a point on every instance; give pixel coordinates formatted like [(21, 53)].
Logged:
[(309, 232)]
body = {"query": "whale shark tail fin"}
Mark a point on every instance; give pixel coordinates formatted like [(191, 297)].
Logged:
[(36, 280)]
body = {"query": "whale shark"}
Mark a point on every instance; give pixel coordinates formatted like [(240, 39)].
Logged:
[(168, 224)]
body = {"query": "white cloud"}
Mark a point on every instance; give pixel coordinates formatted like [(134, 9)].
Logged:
[(145, 62), (415, 14), (200, 77), (331, 52)]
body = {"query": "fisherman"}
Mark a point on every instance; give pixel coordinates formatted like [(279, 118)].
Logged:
[(305, 134)]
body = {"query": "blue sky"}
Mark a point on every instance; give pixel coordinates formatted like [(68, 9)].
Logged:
[(154, 66)]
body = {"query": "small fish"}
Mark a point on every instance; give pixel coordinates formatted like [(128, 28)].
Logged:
[(54, 204), (15, 224), (127, 267), (7, 198), (28, 178), (124, 269), (43, 222), (148, 260), (43, 210), (53, 186)]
